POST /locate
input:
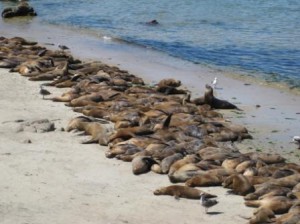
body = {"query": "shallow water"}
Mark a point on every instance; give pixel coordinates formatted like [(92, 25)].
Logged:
[(259, 37)]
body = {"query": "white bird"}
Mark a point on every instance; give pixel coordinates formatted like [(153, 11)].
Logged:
[(207, 203), (214, 83), (296, 139), (44, 92)]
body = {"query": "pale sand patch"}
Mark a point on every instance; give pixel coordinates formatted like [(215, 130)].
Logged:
[(55, 179)]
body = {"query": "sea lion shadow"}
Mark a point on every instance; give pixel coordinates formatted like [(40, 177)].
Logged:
[(214, 213)]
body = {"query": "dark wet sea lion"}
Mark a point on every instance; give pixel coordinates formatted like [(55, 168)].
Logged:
[(181, 192)]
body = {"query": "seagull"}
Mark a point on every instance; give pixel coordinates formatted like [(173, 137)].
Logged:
[(44, 92), (214, 83), (63, 47), (207, 203), (296, 139)]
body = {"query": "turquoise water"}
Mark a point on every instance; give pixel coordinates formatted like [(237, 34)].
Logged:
[(256, 36)]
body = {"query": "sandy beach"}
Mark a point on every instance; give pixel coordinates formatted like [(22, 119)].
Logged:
[(55, 179)]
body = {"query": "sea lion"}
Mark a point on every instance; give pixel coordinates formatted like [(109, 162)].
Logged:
[(127, 133), (267, 158), (182, 192), (288, 181), (167, 162), (204, 180), (238, 183), (121, 148), (278, 204), (232, 163), (142, 164), (293, 215), (214, 102), (267, 189), (241, 168), (99, 131)]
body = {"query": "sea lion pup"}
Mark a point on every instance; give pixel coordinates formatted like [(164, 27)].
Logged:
[(238, 183), (182, 192), (214, 102), (142, 164), (278, 204), (98, 131)]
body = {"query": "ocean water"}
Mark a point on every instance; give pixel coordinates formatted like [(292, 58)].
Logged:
[(259, 37)]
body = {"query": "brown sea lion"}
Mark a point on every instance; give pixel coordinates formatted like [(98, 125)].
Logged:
[(167, 162), (268, 189), (181, 192), (142, 164), (267, 158), (239, 184), (232, 163), (278, 204), (127, 133), (204, 180), (99, 131), (214, 102), (289, 181), (293, 215), (241, 168), (121, 148)]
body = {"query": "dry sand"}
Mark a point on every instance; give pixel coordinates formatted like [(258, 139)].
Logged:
[(55, 179)]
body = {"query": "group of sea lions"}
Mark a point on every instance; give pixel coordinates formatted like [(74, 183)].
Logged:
[(161, 129)]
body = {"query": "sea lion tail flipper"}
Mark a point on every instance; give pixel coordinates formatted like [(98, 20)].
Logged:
[(167, 121)]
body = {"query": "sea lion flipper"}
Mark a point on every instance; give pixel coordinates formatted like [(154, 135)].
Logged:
[(167, 121)]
